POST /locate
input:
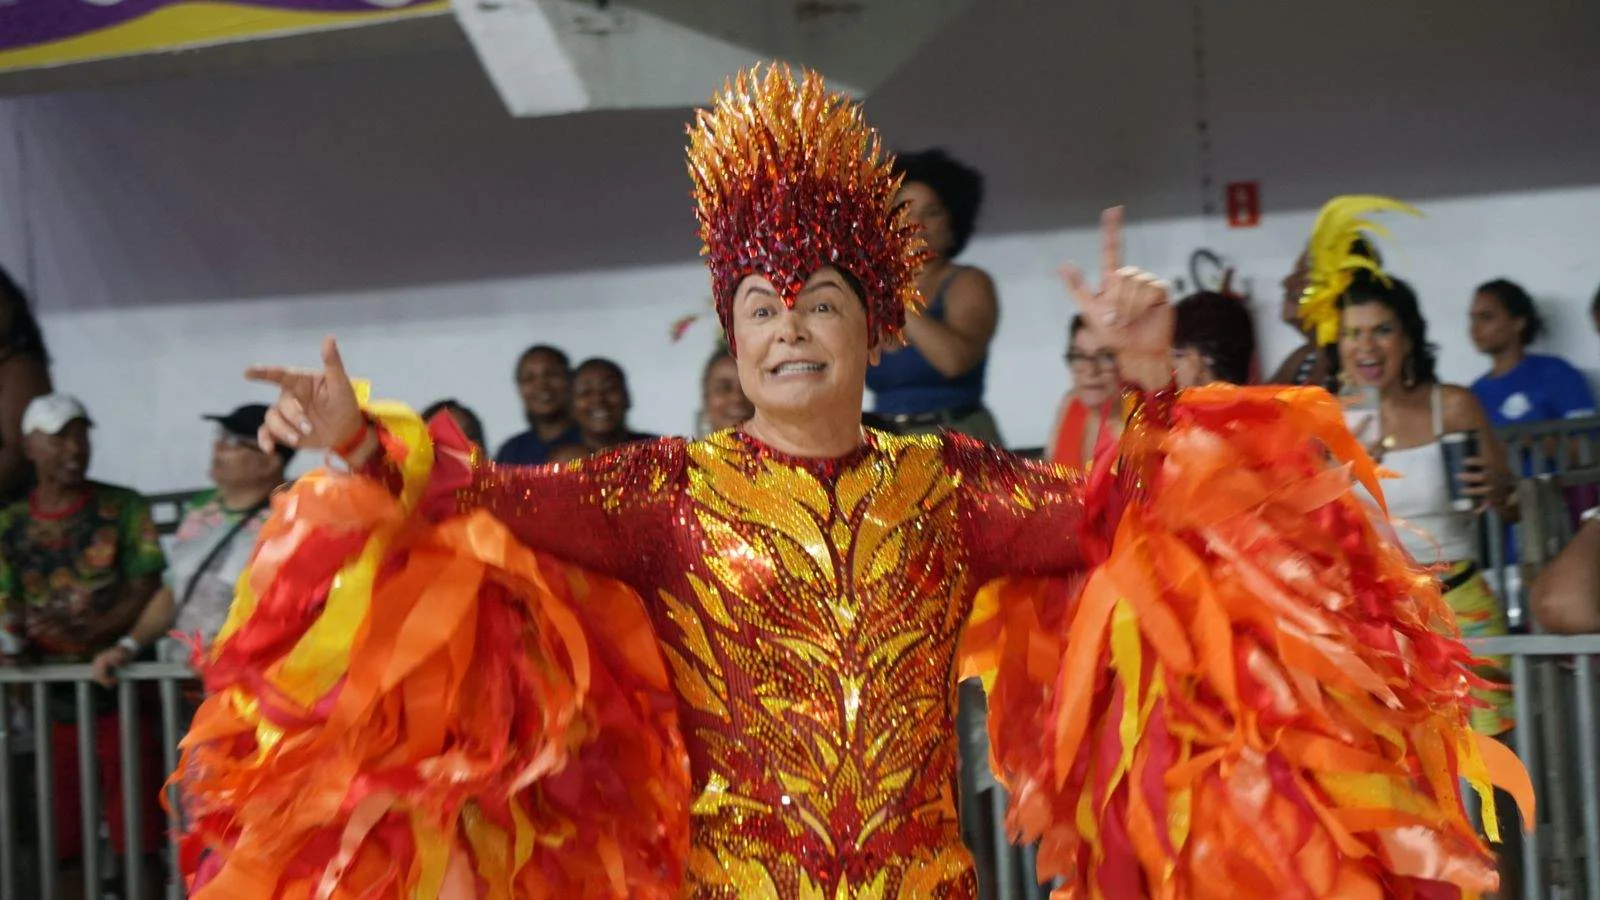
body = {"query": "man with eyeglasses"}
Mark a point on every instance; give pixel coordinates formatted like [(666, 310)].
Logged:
[(211, 546)]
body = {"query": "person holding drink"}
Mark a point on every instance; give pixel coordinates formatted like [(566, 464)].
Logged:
[(1436, 437)]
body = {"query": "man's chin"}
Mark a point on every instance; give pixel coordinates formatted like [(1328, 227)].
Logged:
[(797, 405)]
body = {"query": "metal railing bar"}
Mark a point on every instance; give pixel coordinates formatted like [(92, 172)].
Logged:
[(1527, 748), (83, 672), (1555, 736), (1536, 645), (1551, 428), (133, 804), (88, 790), (44, 789), (169, 759), (8, 806), (1589, 772)]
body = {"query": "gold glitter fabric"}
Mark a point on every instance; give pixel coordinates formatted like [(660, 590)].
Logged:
[(810, 613), (788, 178)]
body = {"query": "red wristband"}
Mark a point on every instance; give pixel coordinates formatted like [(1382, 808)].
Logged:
[(353, 442)]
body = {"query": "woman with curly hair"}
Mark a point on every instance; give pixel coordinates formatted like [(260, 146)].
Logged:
[(936, 380)]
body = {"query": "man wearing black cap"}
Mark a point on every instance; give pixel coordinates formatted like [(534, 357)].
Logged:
[(211, 546)]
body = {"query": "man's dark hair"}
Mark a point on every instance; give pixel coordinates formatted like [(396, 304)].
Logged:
[(557, 353)]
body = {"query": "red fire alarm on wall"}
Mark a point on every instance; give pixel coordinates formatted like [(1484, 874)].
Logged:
[(1244, 204)]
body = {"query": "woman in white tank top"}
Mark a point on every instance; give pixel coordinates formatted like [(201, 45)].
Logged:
[(1383, 344)]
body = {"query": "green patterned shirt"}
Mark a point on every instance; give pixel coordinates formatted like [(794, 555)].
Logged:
[(60, 571)]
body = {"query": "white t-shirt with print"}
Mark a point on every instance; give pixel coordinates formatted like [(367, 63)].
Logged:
[(207, 608)]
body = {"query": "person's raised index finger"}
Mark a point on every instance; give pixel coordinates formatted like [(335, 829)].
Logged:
[(1110, 241), (267, 374)]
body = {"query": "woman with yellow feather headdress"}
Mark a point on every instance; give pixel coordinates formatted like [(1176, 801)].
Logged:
[(1374, 323), (726, 668), (1340, 245)]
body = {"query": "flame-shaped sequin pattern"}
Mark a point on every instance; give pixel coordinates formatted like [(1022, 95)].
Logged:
[(810, 613)]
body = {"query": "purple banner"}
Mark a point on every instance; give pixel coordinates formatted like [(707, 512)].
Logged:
[(29, 23)]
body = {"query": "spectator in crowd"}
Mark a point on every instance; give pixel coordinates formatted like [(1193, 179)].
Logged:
[(544, 380), (936, 380), (1566, 595), (1089, 417), (79, 562), (465, 418), (1383, 344), (1521, 387), (722, 401), (211, 547), (600, 404), (24, 375), (1308, 364), (1213, 339), (1594, 311)]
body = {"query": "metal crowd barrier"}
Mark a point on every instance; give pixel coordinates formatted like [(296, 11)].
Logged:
[(24, 690), (1553, 682), (1561, 446), (1559, 464)]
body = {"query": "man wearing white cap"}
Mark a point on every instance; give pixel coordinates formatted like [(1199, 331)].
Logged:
[(79, 561)]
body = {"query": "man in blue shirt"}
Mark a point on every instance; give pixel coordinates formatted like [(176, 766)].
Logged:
[(544, 380)]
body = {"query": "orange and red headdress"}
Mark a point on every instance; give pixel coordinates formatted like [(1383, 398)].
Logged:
[(789, 178)]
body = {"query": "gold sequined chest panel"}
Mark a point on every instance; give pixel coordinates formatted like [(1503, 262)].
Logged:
[(811, 632)]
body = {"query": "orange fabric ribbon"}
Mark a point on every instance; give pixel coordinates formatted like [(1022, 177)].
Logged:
[(1254, 694), (496, 725)]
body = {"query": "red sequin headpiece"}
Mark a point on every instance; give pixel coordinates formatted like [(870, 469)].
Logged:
[(788, 178)]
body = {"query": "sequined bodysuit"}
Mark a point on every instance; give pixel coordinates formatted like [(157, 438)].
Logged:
[(810, 612)]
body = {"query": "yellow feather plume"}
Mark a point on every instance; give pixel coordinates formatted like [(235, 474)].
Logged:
[(1332, 260)]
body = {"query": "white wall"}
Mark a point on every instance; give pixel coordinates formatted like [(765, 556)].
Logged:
[(178, 231)]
